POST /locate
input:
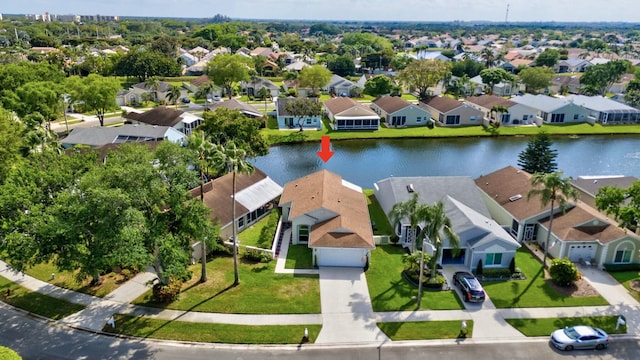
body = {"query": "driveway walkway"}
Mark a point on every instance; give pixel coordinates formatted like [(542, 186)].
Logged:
[(347, 315)]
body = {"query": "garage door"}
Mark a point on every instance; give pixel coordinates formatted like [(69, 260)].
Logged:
[(341, 257), (584, 252)]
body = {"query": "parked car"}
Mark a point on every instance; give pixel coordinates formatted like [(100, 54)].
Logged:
[(186, 100), (469, 285), (580, 337)]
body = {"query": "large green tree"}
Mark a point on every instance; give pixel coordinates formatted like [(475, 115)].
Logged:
[(342, 65), (303, 107), (423, 74), (380, 85), (622, 203), (314, 77), (536, 78), (94, 93), (552, 189), (494, 76), (144, 64), (10, 142), (225, 70), (597, 79), (44, 97), (538, 156), (411, 210), (224, 125), (548, 58)]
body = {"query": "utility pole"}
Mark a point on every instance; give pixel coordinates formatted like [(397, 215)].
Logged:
[(506, 17)]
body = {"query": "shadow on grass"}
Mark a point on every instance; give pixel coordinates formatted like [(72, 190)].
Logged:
[(516, 299)]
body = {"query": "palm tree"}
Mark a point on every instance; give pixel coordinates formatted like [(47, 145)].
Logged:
[(173, 94), (153, 83), (265, 95), (413, 211), (489, 57), (437, 228), (498, 110), (203, 149), (552, 188), (204, 91), (231, 158)]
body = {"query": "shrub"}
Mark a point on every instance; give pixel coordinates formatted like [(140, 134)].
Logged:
[(563, 272), (257, 255), (126, 274), (268, 231), (163, 294), (430, 124), (394, 239), (622, 267), (8, 354), (512, 265), (496, 273), (435, 283), (479, 268)]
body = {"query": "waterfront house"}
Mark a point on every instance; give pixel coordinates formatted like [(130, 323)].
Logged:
[(347, 114), (287, 121), (398, 112), (516, 114), (606, 111), (553, 110), (163, 116), (450, 112)]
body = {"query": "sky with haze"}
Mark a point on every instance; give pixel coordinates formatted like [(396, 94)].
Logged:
[(388, 10)]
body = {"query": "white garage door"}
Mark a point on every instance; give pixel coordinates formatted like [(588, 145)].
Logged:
[(584, 252), (341, 257)]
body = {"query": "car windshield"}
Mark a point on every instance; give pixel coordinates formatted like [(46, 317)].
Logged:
[(473, 283), (571, 333)]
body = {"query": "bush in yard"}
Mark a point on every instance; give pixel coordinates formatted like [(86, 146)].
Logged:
[(496, 273), (479, 268), (435, 283), (257, 255), (8, 354), (563, 272), (268, 231), (163, 294)]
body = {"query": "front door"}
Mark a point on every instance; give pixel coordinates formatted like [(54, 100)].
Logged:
[(529, 232)]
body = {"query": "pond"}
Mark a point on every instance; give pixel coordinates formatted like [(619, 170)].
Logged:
[(364, 162)]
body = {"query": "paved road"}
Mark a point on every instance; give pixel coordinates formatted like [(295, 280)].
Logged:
[(36, 339)]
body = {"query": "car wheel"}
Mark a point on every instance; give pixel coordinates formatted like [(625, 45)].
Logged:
[(600, 347), (568, 348)]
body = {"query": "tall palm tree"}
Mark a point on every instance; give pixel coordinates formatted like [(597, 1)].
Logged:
[(265, 95), (437, 228), (204, 91), (154, 84), (489, 57), (203, 150), (411, 210), (173, 94), (498, 110), (231, 158), (552, 188)]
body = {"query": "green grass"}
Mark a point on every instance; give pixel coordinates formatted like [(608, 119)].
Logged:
[(390, 292), (535, 291), (251, 236), (545, 326), (425, 330), (215, 333), (299, 257), (276, 137), (625, 278), (383, 227), (261, 291), (68, 280), (36, 303)]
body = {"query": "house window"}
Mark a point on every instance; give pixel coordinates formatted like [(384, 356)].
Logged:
[(576, 116), (308, 121), (453, 120), (419, 119), (525, 117), (303, 233), (623, 256), (473, 118), (241, 222), (515, 226), (557, 118), (493, 259)]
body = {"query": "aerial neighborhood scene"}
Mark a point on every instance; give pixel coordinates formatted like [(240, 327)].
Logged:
[(307, 183)]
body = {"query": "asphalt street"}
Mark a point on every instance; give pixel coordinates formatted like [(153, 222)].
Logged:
[(35, 338)]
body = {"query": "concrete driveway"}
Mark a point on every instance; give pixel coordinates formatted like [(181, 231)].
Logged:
[(347, 315)]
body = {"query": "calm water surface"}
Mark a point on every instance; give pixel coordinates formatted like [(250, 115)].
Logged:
[(364, 162)]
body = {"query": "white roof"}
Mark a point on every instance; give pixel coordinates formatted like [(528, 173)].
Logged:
[(541, 102), (599, 103), (259, 194)]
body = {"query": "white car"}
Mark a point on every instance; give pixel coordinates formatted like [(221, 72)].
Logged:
[(580, 337)]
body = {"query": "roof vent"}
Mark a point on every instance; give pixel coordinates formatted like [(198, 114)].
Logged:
[(515, 197), (410, 188)]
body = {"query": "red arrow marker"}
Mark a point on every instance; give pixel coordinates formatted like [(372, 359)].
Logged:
[(325, 152)]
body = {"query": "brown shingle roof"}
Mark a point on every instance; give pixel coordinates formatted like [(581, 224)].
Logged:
[(161, 116), (391, 104), (489, 101), (582, 223), (350, 227), (444, 104), (218, 192), (340, 104), (506, 183), (201, 80)]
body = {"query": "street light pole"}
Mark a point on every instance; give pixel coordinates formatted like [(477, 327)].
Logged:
[(421, 273)]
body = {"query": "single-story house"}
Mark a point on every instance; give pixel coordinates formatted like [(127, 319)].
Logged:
[(163, 116), (252, 87), (136, 93), (339, 86), (565, 84), (101, 135), (450, 112), (553, 110), (288, 121), (201, 81), (580, 233), (347, 114), (330, 215), (588, 186), (499, 89), (513, 65), (399, 112), (481, 238), (606, 111), (247, 110), (256, 195), (516, 114), (572, 64), (431, 55)]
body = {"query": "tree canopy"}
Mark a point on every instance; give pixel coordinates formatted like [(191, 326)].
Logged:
[(94, 93), (380, 85), (548, 58), (622, 203), (302, 107), (423, 74), (538, 156), (224, 125), (494, 76), (144, 64), (226, 69), (597, 79), (314, 77), (536, 78)]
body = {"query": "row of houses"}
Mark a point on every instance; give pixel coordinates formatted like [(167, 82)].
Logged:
[(492, 216)]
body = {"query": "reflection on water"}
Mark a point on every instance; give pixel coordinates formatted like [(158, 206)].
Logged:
[(364, 162)]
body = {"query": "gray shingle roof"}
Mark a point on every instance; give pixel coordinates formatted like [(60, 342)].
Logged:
[(97, 136)]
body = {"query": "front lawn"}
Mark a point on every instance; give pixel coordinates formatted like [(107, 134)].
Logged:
[(390, 292), (34, 302), (545, 326), (535, 291), (253, 235), (299, 257), (261, 291), (625, 278), (425, 330), (378, 217), (205, 332), (68, 280)]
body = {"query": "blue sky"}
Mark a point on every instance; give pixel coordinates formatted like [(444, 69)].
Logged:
[(419, 10)]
